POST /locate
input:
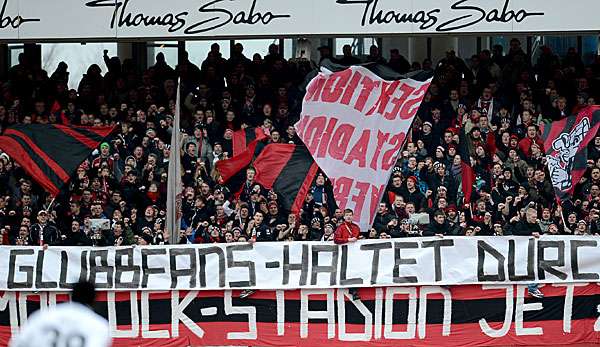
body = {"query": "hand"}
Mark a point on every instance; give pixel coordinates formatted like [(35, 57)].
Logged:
[(440, 235), (536, 235), (352, 239), (428, 193)]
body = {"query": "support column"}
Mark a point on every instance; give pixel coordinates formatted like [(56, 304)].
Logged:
[(124, 50), (33, 54), (180, 50), (4, 61), (139, 54)]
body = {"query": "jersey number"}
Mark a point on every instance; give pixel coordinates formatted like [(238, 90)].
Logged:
[(57, 339)]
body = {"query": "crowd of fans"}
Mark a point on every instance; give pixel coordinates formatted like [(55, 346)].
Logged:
[(117, 197)]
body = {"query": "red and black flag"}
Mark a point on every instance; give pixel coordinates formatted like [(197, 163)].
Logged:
[(50, 154), (289, 170), (247, 138), (467, 171), (233, 170), (565, 143)]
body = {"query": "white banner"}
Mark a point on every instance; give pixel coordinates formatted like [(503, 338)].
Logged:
[(354, 124), (127, 19), (282, 265)]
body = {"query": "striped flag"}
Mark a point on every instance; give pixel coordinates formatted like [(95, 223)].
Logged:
[(467, 172), (246, 138), (289, 170), (50, 154), (565, 143), (174, 185)]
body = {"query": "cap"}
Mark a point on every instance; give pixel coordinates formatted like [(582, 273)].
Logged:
[(330, 225), (427, 123), (413, 178), (272, 203), (451, 208), (104, 145), (44, 212)]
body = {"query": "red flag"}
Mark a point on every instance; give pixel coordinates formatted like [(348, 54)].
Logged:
[(565, 143), (289, 170), (50, 154), (244, 138), (467, 172)]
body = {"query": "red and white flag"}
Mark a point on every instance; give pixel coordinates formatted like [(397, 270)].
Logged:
[(354, 124)]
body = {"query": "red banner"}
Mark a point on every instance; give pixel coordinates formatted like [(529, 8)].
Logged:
[(417, 316)]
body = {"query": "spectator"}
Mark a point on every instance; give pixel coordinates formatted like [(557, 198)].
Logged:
[(345, 233), (495, 100), (43, 233)]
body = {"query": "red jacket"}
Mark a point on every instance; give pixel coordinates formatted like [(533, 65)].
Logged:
[(346, 231), (526, 143)]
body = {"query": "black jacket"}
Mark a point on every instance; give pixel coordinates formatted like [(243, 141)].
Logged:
[(50, 233), (522, 228), (264, 233), (77, 239), (381, 221), (435, 228)]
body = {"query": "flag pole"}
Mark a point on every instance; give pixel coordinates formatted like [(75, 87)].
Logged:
[(174, 185), (50, 204)]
